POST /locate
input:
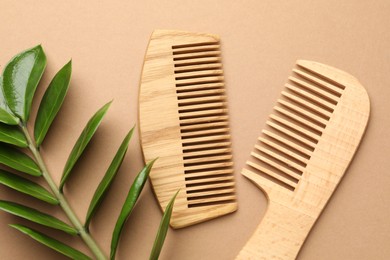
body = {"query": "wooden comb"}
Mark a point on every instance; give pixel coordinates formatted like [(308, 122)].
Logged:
[(303, 152), (183, 121)]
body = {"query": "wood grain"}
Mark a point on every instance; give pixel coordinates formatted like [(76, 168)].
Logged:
[(183, 121), (302, 155)]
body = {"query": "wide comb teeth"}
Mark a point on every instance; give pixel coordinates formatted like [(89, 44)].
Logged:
[(204, 126), (302, 154), (294, 128)]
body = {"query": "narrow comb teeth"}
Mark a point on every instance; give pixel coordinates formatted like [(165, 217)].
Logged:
[(293, 130), (214, 199), (205, 119), (209, 187), (195, 55), (272, 174), (330, 87), (206, 146), (207, 125), (201, 100), (191, 45), (197, 67), (208, 180), (198, 61), (208, 159), (312, 97), (264, 181), (204, 125), (200, 107), (277, 166), (203, 139), (316, 74), (194, 49), (298, 118), (291, 134), (284, 151), (201, 93), (216, 165), (287, 142), (204, 132), (307, 104), (209, 173), (212, 111), (331, 98), (302, 111), (198, 74), (295, 127), (206, 86), (214, 192), (283, 159), (200, 81)]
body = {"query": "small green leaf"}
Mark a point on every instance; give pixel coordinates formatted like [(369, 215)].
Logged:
[(6, 115), (128, 206), (162, 230), (52, 243), (108, 178), (12, 135), (20, 80), (26, 186), (36, 216), (7, 118), (19, 161), (51, 102), (82, 142)]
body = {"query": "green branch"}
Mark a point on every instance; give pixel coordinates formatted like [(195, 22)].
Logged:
[(87, 238)]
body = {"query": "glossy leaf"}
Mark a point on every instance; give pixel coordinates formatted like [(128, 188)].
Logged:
[(36, 216), (52, 243), (20, 80), (108, 178), (6, 115), (19, 161), (12, 135), (162, 230), (51, 102), (26, 186), (128, 206), (82, 142)]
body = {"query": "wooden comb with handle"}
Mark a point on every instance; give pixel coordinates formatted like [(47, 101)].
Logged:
[(183, 121), (302, 154)]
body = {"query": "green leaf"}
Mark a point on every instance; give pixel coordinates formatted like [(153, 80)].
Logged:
[(52, 243), (82, 142), (12, 135), (19, 161), (36, 216), (26, 186), (51, 102), (6, 115), (129, 204), (20, 80), (108, 178), (162, 230)]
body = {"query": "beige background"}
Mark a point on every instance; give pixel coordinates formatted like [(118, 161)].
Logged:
[(260, 42)]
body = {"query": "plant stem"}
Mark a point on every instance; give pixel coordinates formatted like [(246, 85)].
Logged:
[(87, 238)]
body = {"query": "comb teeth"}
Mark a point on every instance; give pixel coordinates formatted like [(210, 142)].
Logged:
[(294, 128), (183, 121), (204, 126)]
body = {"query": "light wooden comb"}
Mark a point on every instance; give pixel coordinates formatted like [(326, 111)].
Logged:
[(183, 121), (303, 152)]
